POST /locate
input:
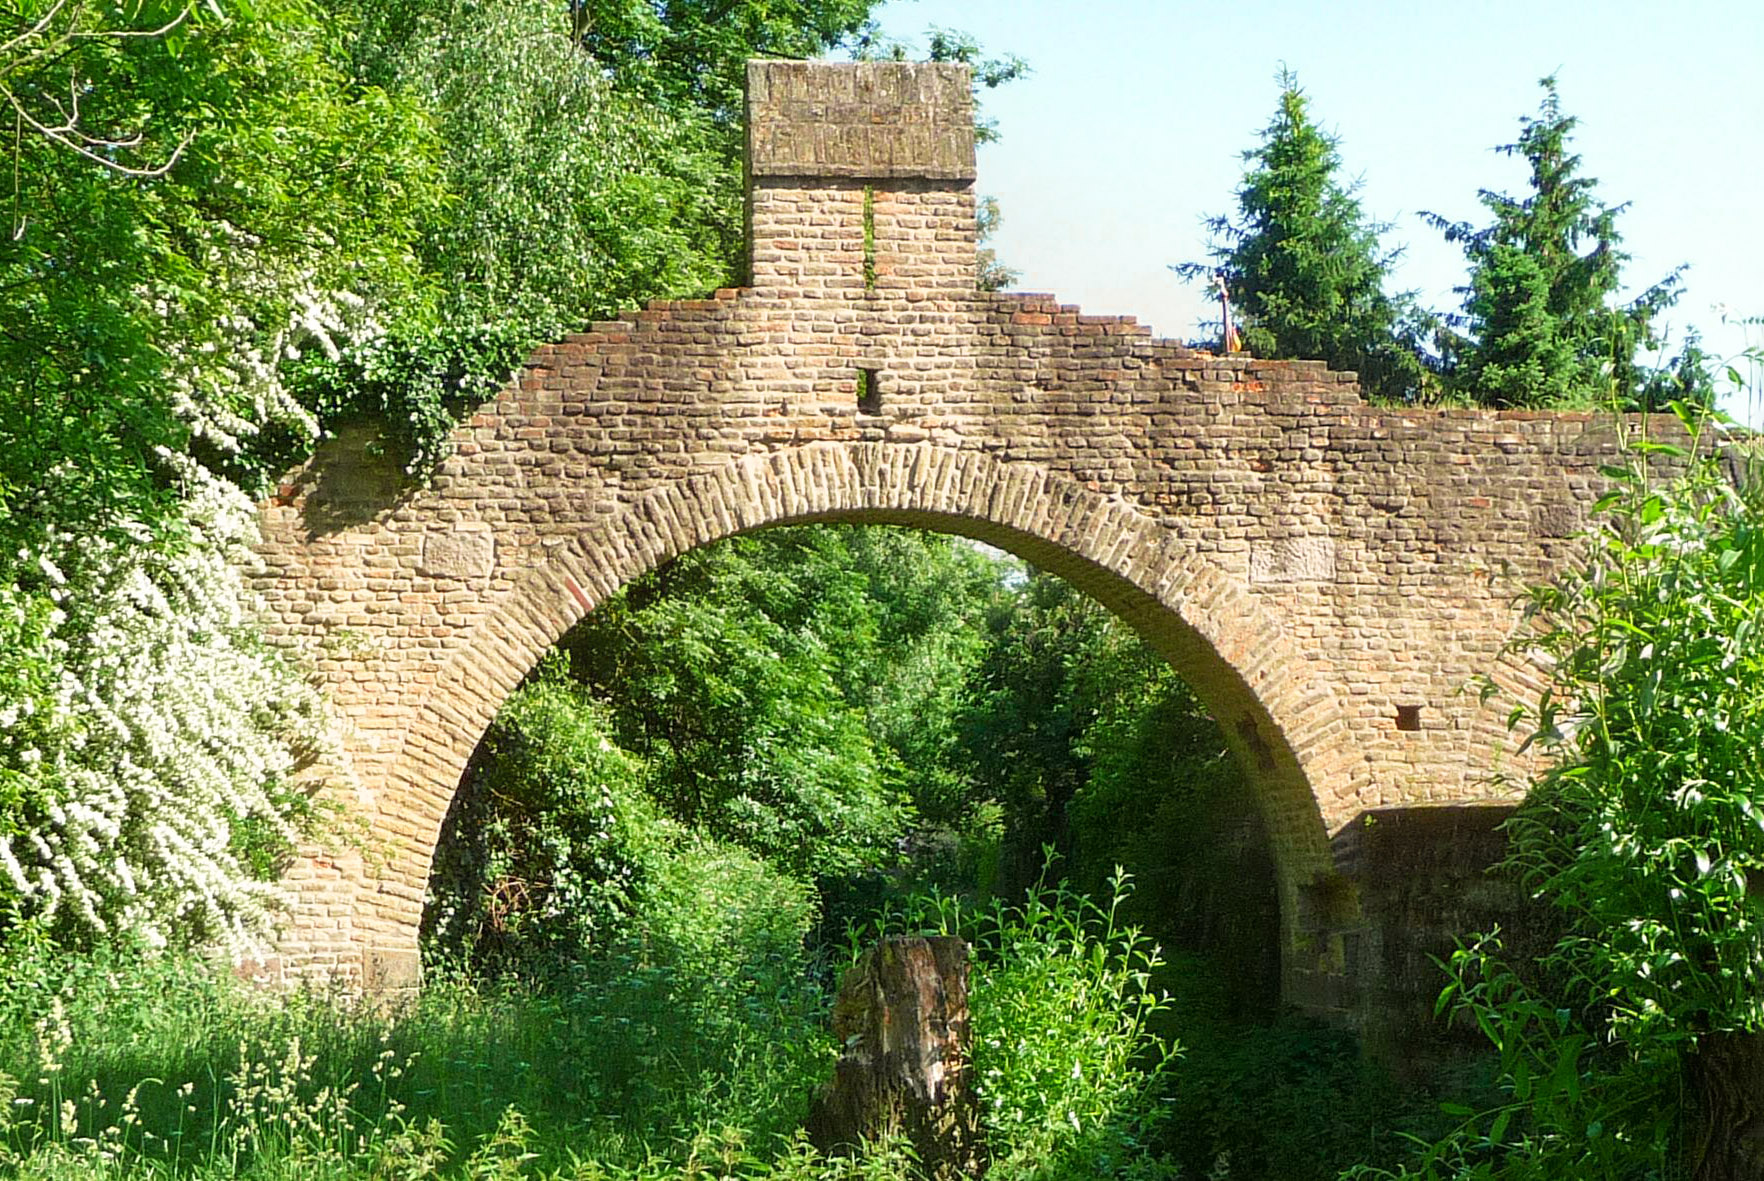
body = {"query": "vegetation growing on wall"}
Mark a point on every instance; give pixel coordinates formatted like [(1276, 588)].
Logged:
[(1636, 1046)]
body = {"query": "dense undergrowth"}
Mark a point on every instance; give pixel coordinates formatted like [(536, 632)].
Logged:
[(638, 1067), (127, 1065)]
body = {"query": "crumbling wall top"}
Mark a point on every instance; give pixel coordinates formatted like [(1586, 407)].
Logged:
[(860, 120)]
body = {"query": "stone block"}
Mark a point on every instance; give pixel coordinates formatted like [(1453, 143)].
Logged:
[(869, 120), (391, 970), (462, 552), (1295, 559)]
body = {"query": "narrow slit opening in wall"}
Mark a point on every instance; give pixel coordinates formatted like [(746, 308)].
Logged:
[(869, 238), (1408, 717), (869, 391)]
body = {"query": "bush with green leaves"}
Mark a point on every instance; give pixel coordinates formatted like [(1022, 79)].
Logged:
[(545, 838), (675, 955), (1066, 1061), (1636, 1046), (412, 383), (555, 855)]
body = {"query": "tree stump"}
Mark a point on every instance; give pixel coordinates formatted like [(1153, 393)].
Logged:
[(1727, 1087), (902, 1014)]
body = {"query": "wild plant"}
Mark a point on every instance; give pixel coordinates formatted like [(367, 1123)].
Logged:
[(1066, 1060)]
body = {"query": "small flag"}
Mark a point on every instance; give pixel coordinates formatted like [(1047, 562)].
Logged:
[(1233, 342)]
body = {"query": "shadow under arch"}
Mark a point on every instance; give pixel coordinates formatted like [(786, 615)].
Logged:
[(1285, 727)]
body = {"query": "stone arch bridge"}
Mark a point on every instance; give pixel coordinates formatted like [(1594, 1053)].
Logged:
[(1327, 575)]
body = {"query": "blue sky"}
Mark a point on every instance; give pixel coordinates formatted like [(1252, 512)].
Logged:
[(1131, 127)]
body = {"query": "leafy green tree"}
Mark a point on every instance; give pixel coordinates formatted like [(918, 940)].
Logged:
[(220, 201), (1087, 741), (1030, 703), (1061, 694), (693, 53), (1540, 322), (794, 691), (687, 60), (931, 594), (1304, 267), (263, 208), (571, 196), (788, 700), (1166, 802), (1636, 1047)]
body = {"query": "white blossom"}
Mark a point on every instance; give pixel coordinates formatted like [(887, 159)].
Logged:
[(164, 724)]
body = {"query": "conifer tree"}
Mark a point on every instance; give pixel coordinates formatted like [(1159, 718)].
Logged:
[(1540, 324), (1303, 265)]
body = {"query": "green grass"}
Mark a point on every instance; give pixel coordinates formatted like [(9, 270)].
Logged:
[(629, 1067), (127, 1065)]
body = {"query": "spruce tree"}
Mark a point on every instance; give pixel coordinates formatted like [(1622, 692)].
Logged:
[(1303, 265), (1540, 324)]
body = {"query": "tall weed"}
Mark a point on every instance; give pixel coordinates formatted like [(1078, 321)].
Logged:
[(1067, 1063)]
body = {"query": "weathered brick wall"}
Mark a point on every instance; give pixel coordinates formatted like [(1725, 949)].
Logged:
[(1309, 563)]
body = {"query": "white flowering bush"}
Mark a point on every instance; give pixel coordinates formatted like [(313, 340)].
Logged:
[(224, 376), (223, 205), (147, 735)]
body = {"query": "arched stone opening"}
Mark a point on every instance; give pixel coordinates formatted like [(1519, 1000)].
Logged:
[(1284, 727)]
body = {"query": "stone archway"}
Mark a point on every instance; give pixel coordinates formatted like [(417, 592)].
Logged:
[(1283, 724)]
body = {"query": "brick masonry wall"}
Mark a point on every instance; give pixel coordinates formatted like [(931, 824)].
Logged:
[(1309, 563)]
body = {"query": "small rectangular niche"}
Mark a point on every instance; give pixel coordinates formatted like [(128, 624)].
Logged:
[(1408, 717), (869, 389)]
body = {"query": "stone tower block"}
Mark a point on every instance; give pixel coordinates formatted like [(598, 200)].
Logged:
[(861, 177)]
